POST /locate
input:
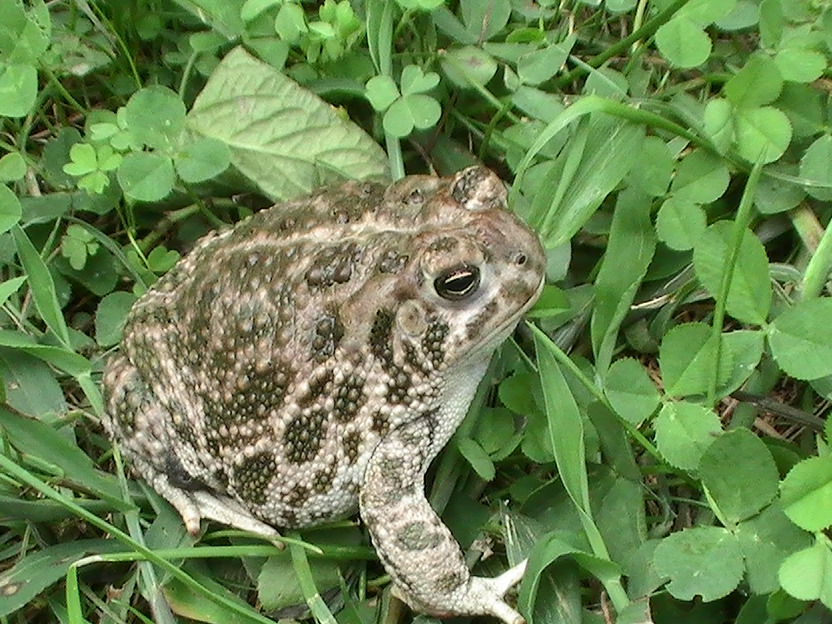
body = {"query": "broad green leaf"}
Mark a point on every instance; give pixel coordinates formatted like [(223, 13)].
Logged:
[(749, 293), (686, 360), (59, 357), (800, 64), (156, 117), (701, 178), (552, 302), (596, 164), (705, 12), (9, 287), (545, 553), (220, 15), (805, 108), (381, 92), (110, 316), (282, 137), (807, 574), (630, 391), (801, 342), (745, 14), (816, 168), (202, 159), (41, 284), (12, 167), (684, 431), (772, 23), (740, 474), (655, 171), (566, 427), (30, 385), (540, 65), (806, 493), (744, 349), (537, 104), (629, 253), (398, 120), (766, 540), (703, 561), (475, 455), (18, 89), (424, 111), (762, 133), (619, 6), (35, 438), (485, 19), (757, 83), (39, 569), (24, 34), (414, 80), (774, 195), (290, 23), (468, 66), (719, 123), (253, 8), (10, 209), (680, 222), (146, 176), (683, 43), (496, 433)]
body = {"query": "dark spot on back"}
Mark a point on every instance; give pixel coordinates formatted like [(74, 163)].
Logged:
[(297, 496), (349, 397), (304, 435), (328, 333), (381, 337), (433, 341), (323, 479), (351, 443), (392, 261), (398, 386), (321, 385), (444, 244), (380, 423), (253, 477), (260, 388), (333, 265)]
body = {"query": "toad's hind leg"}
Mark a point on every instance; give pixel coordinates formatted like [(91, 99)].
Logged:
[(140, 424), (417, 550)]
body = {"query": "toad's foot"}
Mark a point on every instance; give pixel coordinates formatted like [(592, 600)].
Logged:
[(417, 550), (197, 504)]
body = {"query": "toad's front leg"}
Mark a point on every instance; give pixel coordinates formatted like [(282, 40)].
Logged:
[(416, 548)]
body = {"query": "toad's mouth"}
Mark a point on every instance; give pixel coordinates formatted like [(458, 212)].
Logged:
[(493, 338)]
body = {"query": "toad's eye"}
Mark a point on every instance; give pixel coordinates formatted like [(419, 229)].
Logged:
[(457, 283)]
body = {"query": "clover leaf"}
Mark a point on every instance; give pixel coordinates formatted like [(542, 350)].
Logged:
[(407, 108)]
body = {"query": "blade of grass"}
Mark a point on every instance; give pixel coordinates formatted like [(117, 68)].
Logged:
[(566, 432), (593, 103), (42, 286), (741, 222), (8, 466), (317, 606)]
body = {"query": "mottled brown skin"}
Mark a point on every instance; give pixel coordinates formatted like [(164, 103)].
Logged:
[(314, 360)]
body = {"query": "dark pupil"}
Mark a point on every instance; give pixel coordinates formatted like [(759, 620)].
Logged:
[(457, 283)]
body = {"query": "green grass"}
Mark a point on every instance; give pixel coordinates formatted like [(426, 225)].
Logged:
[(654, 440)]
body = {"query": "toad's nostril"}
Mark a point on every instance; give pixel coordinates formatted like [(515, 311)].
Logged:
[(520, 259)]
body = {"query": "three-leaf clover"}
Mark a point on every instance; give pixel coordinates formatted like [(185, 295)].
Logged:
[(77, 245), (91, 164), (116, 133), (406, 108)]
